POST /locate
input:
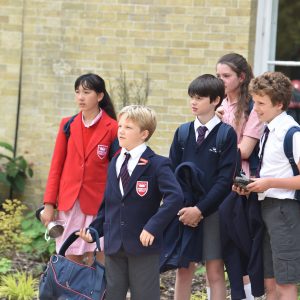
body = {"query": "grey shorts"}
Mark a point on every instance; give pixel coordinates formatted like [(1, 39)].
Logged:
[(211, 238), (282, 240)]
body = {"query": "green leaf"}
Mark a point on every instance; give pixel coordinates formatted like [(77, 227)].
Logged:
[(30, 171), (3, 179), (11, 169), (6, 146), (19, 183), (22, 164)]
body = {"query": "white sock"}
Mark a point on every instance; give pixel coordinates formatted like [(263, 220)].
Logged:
[(208, 292), (247, 288)]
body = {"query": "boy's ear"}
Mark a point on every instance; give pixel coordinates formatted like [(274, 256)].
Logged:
[(217, 101), (145, 134)]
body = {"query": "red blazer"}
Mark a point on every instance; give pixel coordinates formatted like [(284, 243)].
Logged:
[(75, 175)]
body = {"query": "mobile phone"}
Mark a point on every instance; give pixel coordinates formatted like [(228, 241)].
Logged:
[(242, 182)]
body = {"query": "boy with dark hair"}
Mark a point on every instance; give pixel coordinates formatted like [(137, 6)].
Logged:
[(276, 186), (132, 217), (218, 165)]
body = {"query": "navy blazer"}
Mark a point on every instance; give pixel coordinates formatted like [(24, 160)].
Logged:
[(241, 236), (121, 219), (183, 244)]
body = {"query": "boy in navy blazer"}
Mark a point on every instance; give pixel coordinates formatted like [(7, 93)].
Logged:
[(218, 164), (142, 196)]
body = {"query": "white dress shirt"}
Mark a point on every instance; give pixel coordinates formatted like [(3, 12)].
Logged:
[(135, 155), (209, 125), (275, 164)]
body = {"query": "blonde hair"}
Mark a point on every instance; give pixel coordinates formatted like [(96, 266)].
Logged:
[(144, 116)]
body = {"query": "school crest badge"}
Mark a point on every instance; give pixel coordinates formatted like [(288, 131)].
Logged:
[(142, 188), (102, 151)]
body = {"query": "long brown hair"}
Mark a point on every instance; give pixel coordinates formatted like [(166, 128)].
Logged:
[(240, 66)]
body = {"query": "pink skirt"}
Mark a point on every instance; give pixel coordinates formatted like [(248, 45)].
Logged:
[(75, 219)]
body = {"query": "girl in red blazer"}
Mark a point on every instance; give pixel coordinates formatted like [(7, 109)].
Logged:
[(83, 149)]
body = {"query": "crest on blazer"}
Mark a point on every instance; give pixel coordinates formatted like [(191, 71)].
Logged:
[(142, 188), (102, 151)]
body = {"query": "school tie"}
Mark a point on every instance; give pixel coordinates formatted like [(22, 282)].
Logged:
[(124, 174), (201, 134), (265, 137)]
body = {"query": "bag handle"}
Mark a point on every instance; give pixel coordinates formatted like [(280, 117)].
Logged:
[(73, 237)]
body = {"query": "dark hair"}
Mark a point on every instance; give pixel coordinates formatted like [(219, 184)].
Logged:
[(275, 85), (207, 85), (239, 65), (96, 83)]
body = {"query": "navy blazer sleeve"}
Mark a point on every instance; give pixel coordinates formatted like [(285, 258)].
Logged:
[(172, 198), (210, 202)]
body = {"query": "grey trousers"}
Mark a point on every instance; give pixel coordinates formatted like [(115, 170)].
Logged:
[(139, 274)]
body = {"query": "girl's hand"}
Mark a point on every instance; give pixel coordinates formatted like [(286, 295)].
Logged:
[(190, 216), (146, 238), (219, 112), (85, 235), (48, 214)]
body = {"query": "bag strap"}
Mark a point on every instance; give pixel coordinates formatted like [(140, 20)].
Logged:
[(183, 133), (114, 149), (66, 128), (288, 151), (221, 138), (73, 237)]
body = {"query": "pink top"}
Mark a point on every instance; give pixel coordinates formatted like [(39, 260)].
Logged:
[(251, 127)]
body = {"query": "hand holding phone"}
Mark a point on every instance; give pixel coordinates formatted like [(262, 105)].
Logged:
[(242, 182)]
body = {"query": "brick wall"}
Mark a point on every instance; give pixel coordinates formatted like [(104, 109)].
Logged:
[(172, 41)]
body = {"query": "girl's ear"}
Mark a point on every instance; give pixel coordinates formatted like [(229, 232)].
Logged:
[(100, 96), (242, 77)]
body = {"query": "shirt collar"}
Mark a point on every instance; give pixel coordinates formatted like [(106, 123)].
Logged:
[(277, 121), (135, 152), (209, 125), (95, 120)]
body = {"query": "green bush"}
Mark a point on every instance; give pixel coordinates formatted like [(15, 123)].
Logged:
[(18, 286), (11, 239), (34, 232), (13, 170)]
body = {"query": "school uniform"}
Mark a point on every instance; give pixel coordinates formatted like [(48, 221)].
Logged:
[(280, 210), (242, 232), (79, 171), (125, 213), (218, 167)]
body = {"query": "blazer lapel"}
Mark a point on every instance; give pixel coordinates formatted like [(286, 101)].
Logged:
[(113, 179), (76, 127), (141, 167), (99, 134)]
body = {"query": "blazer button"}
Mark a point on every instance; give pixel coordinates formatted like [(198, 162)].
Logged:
[(122, 223)]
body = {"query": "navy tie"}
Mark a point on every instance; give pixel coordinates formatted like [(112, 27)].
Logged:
[(201, 134), (124, 174), (265, 137)]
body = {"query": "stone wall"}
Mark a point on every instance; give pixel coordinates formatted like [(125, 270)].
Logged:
[(170, 41)]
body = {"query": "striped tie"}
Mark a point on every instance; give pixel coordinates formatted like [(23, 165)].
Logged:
[(201, 134), (124, 175)]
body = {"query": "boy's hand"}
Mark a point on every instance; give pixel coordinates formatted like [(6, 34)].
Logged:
[(240, 190), (259, 185), (146, 238), (190, 216), (85, 235)]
